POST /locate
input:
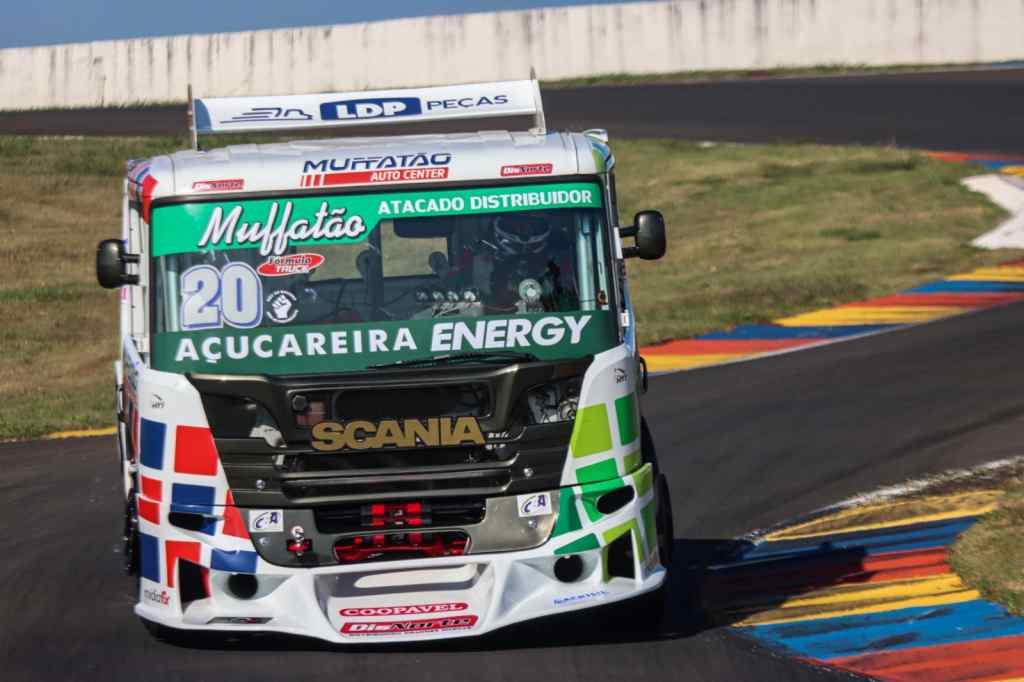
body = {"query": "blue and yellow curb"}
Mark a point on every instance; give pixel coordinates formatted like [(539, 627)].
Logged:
[(875, 597)]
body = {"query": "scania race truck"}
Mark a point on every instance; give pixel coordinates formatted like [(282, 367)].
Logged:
[(382, 388)]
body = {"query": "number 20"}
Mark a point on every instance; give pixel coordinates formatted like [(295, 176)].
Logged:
[(211, 297)]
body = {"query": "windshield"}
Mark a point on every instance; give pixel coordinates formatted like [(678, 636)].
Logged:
[(357, 280)]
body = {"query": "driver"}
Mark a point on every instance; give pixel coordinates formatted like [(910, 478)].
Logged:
[(532, 269)]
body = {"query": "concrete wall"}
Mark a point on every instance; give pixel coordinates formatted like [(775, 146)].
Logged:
[(641, 37)]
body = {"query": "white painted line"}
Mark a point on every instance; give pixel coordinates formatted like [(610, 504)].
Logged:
[(999, 189), (1008, 193), (891, 493)]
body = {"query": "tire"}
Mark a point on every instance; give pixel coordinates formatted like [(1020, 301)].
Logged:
[(648, 453), (130, 537), (664, 521), (648, 612)]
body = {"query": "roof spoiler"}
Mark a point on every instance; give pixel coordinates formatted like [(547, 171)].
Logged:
[(217, 115)]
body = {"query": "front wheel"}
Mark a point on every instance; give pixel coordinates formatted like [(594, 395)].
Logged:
[(649, 612), (130, 536)]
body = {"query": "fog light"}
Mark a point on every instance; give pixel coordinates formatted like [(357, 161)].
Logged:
[(243, 585), (568, 569)]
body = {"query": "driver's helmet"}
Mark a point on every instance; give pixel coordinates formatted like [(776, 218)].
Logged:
[(519, 234)]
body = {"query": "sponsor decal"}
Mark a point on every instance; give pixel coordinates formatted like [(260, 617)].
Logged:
[(620, 375), (275, 225), (412, 610), (576, 598), (521, 169), (270, 115), (266, 521), (370, 107), (235, 185), (538, 504), (466, 102), (161, 597), (356, 170), (373, 177), (409, 627), (361, 434), (293, 264), (156, 402), (224, 231), (315, 348), (281, 307), (358, 163)]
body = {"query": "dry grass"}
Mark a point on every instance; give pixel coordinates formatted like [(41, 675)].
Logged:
[(990, 555), (58, 337), (756, 232)]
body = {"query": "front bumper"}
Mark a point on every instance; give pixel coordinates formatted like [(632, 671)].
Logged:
[(414, 600)]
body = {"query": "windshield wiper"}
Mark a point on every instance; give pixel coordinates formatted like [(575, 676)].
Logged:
[(490, 356)]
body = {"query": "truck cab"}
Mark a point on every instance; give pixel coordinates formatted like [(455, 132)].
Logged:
[(382, 388)]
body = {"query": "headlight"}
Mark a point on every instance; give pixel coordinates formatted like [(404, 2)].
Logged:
[(554, 402), (241, 418)]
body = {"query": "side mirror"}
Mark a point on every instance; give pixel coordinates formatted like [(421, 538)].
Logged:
[(112, 264), (649, 229)]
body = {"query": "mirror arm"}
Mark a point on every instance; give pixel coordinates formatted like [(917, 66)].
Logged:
[(629, 231), (132, 258)]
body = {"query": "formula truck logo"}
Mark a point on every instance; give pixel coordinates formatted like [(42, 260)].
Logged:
[(363, 170), (292, 264), (409, 627), (406, 433)]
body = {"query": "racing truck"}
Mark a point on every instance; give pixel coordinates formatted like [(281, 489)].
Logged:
[(383, 387)]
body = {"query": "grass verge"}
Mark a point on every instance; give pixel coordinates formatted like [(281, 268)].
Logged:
[(756, 231), (990, 555), (759, 232)]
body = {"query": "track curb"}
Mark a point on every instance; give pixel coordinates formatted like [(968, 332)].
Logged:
[(81, 433), (877, 599)]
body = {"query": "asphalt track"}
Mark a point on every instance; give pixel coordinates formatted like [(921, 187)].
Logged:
[(745, 446), (967, 110)]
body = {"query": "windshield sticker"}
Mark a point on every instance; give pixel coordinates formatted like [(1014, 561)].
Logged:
[(321, 348), (276, 225), (292, 264), (224, 231), (211, 297), (281, 307)]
